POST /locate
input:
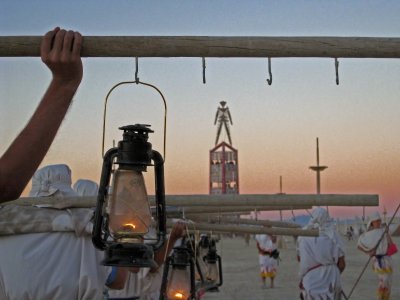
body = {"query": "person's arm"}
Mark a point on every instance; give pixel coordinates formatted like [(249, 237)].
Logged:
[(261, 251), (274, 238), (389, 238), (370, 252), (341, 264), (177, 232), (60, 51), (117, 278)]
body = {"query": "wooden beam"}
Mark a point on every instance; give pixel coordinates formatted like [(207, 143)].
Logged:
[(273, 200), (241, 221), (266, 200), (207, 210), (248, 229), (215, 46)]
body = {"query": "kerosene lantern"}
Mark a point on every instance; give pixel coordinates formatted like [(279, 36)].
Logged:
[(214, 264), (123, 220), (179, 275)]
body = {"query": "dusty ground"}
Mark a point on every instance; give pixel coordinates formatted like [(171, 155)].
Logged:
[(241, 281)]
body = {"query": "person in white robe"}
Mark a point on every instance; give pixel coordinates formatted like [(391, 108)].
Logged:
[(268, 261), (375, 242), (321, 258), (47, 253), (86, 187)]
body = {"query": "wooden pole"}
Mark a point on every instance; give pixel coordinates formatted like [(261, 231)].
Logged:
[(225, 220), (248, 229), (229, 220), (215, 46), (206, 210), (222, 200), (273, 200)]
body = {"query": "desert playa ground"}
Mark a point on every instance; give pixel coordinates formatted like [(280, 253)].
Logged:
[(241, 281)]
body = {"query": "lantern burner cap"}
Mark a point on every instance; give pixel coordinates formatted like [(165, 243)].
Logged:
[(129, 255)]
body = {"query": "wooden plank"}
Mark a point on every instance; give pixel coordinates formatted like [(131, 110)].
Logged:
[(215, 46)]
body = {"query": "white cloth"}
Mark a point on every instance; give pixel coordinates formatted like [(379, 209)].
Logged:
[(139, 284), (319, 256), (16, 219), (368, 241), (86, 187), (382, 264), (49, 266), (321, 220), (265, 242), (375, 216), (322, 254), (268, 264), (52, 180)]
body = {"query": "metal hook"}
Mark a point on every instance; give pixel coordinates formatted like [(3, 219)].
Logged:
[(337, 70), (204, 70), (293, 216), (269, 71), (137, 70)]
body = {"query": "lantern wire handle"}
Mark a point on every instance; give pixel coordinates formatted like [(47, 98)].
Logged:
[(189, 238), (137, 81), (293, 216), (269, 80)]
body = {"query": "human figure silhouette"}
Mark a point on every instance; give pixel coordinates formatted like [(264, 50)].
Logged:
[(223, 116)]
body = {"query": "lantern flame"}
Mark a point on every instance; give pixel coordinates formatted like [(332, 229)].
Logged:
[(178, 295), (129, 226)]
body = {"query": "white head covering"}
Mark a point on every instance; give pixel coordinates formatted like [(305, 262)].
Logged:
[(321, 220), (375, 216), (86, 187), (52, 180)]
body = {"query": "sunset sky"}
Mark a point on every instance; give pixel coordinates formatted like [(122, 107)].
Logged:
[(274, 127)]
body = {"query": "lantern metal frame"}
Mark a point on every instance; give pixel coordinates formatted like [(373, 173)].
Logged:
[(181, 257), (133, 152), (212, 258)]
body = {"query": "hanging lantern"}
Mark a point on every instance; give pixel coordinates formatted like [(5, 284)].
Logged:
[(123, 221), (179, 276), (214, 264)]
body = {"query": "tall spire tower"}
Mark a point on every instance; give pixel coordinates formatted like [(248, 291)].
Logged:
[(318, 169)]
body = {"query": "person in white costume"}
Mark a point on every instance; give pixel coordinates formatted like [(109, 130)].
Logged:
[(48, 253), (86, 187), (266, 254), (321, 258), (381, 261)]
